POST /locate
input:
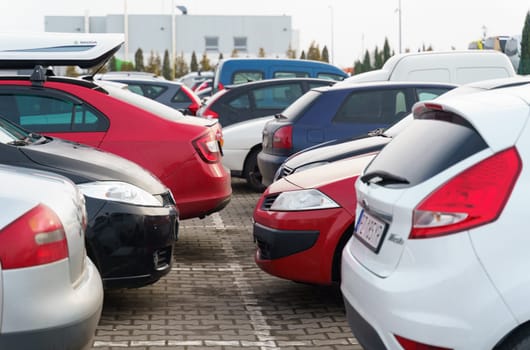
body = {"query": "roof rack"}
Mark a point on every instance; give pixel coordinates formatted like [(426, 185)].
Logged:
[(85, 50)]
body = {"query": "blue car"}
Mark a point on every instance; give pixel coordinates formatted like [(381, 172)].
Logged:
[(338, 112)]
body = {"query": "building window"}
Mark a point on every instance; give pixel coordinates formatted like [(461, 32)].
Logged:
[(211, 43), (240, 43)]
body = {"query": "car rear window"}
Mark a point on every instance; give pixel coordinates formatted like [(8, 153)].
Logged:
[(300, 105), (426, 147)]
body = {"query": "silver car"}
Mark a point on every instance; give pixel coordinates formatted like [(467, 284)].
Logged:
[(51, 292)]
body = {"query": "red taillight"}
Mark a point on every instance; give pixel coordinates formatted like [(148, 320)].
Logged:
[(201, 86), (194, 107), (408, 344), (283, 138), (35, 238), (208, 113), (220, 87), (208, 147), (472, 198)]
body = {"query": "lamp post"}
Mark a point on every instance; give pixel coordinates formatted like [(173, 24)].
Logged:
[(125, 31), (184, 11), (399, 25), (332, 48)]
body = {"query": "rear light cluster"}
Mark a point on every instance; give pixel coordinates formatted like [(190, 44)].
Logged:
[(208, 148), (408, 344), (283, 138), (208, 113), (472, 198), (35, 238)]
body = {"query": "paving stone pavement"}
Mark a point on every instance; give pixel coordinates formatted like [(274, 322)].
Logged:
[(216, 298)]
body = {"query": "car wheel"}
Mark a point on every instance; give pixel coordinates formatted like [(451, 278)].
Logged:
[(252, 173), (518, 340)]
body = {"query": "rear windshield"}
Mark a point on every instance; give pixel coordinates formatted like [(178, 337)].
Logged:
[(426, 147), (300, 105)]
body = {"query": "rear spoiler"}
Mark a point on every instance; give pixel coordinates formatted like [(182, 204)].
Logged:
[(85, 50)]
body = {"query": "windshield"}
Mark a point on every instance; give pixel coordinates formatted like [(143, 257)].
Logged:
[(299, 106), (11, 133)]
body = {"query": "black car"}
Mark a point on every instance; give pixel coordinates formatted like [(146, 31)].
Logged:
[(132, 219), (338, 112), (242, 102), (170, 93)]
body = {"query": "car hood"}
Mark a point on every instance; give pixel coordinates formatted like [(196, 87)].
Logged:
[(327, 174), (336, 151), (82, 164)]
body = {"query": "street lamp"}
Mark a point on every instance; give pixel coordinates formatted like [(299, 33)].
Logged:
[(399, 24), (184, 11), (332, 33)]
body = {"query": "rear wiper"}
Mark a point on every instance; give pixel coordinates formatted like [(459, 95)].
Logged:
[(383, 178)]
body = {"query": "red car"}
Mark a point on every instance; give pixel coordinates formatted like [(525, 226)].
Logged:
[(303, 221), (182, 151)]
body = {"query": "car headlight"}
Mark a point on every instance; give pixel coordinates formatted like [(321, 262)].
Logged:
[(302, 200), (118, 192)]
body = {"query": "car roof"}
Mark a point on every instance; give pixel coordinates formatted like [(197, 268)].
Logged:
[(383, 84), (277, 81)]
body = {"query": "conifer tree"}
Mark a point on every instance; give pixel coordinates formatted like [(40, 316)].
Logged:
[(524, 63)]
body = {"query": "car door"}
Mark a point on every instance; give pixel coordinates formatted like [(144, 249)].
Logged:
[(53, 113)]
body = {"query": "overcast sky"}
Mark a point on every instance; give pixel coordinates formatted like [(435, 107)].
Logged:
[(346, 27)]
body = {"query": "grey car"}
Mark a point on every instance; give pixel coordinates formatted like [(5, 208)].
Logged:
[(52, 294)]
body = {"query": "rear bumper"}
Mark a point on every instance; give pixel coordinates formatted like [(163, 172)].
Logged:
[(268, 164), (445, 308), (132, 246), (52, 315)]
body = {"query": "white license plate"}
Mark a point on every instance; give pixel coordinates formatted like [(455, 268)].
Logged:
[(370, 231)]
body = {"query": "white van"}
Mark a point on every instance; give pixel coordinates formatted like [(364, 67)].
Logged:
[(458, 67)]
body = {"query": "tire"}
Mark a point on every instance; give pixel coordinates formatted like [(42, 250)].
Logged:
[(252, 173)]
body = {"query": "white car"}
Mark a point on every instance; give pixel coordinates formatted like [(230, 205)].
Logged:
[(52, 294), (242, 143), (439, 256)]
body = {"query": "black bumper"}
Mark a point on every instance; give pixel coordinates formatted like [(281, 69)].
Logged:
[(362, 330), (275, 244), (132, 246)]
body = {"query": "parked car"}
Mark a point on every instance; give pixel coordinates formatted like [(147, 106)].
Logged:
[(242, 102), (303, 221), (132, 221), (170, 93), (240, 108), (157, 137), (232, 71), (52, 294), (458, 67), (194, 79), (338, 112), (332, 151), (438, 258)]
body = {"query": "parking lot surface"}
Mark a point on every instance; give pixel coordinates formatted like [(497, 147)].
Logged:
[(215, 297)]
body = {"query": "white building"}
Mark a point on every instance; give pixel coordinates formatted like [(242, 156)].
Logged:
[(201, 34)]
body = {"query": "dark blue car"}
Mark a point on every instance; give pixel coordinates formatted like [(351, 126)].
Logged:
[(338, 112)]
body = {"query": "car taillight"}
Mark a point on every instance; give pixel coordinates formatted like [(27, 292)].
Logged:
[(220, 87), (408, 344), (194, 107), (208, 147), (208, 113), (470, 199), (35, 238), (283, 138)]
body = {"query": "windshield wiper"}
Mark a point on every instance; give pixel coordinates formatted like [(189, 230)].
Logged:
[(20, 142), (280, 116), (383, 178), (378, 132)]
